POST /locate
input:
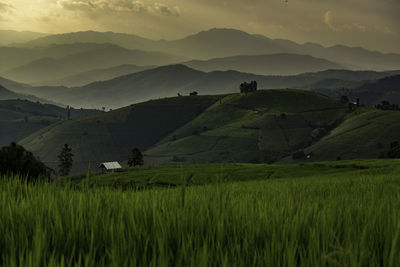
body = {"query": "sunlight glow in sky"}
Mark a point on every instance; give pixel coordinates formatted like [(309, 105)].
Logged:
[(373, 24)]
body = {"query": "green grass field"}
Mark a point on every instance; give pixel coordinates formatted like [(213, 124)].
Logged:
[(344, 213)]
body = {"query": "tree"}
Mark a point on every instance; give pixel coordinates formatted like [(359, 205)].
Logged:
[(15, 159), (136, 158), (66, 160)]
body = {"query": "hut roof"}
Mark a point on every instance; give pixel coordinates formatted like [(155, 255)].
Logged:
[(110, 165)]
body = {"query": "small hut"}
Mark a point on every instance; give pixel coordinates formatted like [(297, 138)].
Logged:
[(109, 166)]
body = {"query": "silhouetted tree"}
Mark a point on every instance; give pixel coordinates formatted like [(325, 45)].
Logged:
[(15, 159), (248, 87), (136, 158), (65, 160)]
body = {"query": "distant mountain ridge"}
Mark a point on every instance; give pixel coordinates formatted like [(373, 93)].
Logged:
[(170, 80), (91, 76), (217, 43), (6, 94), (9, 37), (99, 56), (273, 64)]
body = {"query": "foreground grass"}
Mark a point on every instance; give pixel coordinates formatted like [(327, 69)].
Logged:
[(314, 221)]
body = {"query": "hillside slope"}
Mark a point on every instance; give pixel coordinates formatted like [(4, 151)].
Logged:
[(258, 127), (111, 136), (363, 135), (237, 127), (20, 118)]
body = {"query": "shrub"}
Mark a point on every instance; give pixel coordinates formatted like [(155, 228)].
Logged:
[(15, 159)]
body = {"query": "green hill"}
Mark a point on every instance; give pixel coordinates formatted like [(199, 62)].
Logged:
[(258, 127), (110, 136), (21, 118), (363, 135)]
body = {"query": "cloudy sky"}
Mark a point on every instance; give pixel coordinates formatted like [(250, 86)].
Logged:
[(373, 24)]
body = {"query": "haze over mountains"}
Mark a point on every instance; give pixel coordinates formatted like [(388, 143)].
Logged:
[(217, 43), (12, 37), (79, 58)]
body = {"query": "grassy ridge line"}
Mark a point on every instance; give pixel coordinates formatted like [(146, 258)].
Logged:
[(202, 174), (315, 221)]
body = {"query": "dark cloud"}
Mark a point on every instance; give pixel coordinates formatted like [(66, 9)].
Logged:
[(137, 6)]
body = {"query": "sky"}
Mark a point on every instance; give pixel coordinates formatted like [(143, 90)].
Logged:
[(372, 24)]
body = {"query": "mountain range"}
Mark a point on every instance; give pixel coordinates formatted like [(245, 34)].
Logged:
[(170, 80), (93, 56), (218, 43)]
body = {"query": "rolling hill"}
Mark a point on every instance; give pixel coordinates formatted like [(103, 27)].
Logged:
[(274, 64), (20, 118), (167, 81), (110, 136), (217, 43), (266, 126), (101, 56), (258, 127), (363, 135)]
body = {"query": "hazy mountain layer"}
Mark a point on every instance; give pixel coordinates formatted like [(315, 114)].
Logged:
[(10, 37), (104, 56), (91, 76), (275, 64), (217, 43)]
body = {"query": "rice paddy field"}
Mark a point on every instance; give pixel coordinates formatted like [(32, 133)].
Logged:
[(343, 216)]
